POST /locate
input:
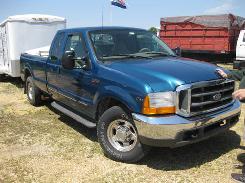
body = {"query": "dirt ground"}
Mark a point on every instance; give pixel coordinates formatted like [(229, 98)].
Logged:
[(39, 144)]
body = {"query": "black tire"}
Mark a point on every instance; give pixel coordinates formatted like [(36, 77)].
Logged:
[(109, 117), (33, 93), (2, 77)]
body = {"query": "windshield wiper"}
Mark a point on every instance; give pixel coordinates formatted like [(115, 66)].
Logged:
[(159, 53), (135, 55), (126, 56)]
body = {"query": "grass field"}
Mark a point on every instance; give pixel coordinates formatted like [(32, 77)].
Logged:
[(42, 145)]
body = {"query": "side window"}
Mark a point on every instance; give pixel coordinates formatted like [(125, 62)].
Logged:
[(75, 43), (56, 53), (244, 37)]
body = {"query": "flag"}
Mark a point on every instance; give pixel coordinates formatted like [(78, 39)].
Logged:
[(119, 3)]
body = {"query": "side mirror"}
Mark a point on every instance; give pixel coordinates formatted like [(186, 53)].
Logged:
[(67, 60), (177, 51)]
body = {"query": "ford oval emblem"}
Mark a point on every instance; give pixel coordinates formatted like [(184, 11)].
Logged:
[(217, 96)]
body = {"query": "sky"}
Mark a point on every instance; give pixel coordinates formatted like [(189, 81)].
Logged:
[(140, 13)]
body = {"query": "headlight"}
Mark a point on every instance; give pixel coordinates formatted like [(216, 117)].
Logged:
[(159, 103)]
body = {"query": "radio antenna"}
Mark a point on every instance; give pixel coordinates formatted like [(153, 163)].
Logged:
[(102, 15)]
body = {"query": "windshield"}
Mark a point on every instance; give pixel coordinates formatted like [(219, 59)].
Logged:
[(126, 43)]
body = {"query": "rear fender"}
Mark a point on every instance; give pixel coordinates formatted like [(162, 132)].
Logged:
[(26, 73)]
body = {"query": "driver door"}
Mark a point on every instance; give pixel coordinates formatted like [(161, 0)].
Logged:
[(74, 85)]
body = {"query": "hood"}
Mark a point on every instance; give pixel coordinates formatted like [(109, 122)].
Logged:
[(167, 73)]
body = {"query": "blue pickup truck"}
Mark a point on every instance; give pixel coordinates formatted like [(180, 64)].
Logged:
[(132, 88)]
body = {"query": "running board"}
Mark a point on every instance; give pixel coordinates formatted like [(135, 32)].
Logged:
[(74, 116)]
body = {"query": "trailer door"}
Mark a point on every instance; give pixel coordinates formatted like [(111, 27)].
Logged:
[(3, 50), (240, 51)]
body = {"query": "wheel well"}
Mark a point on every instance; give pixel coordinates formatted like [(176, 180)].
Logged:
[(107, 103), (27, 74)]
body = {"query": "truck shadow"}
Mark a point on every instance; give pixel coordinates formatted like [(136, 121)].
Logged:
[(14, 81), (192, 155), (89, 133)]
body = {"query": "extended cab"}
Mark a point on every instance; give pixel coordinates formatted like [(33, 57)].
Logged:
[(133, 88)]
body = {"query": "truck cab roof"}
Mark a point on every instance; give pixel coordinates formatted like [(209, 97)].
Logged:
[(86, 29)]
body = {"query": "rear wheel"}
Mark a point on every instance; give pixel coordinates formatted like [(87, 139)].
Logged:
[(118, 136), (33, 93)]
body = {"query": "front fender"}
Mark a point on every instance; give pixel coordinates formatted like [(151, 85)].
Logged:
[(120, 94)]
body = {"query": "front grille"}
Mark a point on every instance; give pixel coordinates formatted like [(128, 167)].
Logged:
[(204, 97)]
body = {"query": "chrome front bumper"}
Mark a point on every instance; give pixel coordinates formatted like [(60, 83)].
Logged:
[(174, 130)]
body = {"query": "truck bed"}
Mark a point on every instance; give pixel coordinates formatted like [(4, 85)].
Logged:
[(37, 65), (33, 59)]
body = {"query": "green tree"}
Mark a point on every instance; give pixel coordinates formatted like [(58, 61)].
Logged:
[(153, 30)]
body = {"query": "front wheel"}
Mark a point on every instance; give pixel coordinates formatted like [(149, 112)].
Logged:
[(118, 136)]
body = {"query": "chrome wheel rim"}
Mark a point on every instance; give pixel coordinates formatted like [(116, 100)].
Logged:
[(122, 135), (30, 91)]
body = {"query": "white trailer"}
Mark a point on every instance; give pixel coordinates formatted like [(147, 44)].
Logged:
[(24, 32)]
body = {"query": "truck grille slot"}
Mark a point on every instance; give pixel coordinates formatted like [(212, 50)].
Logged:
[(205, 97), (210, 97)]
